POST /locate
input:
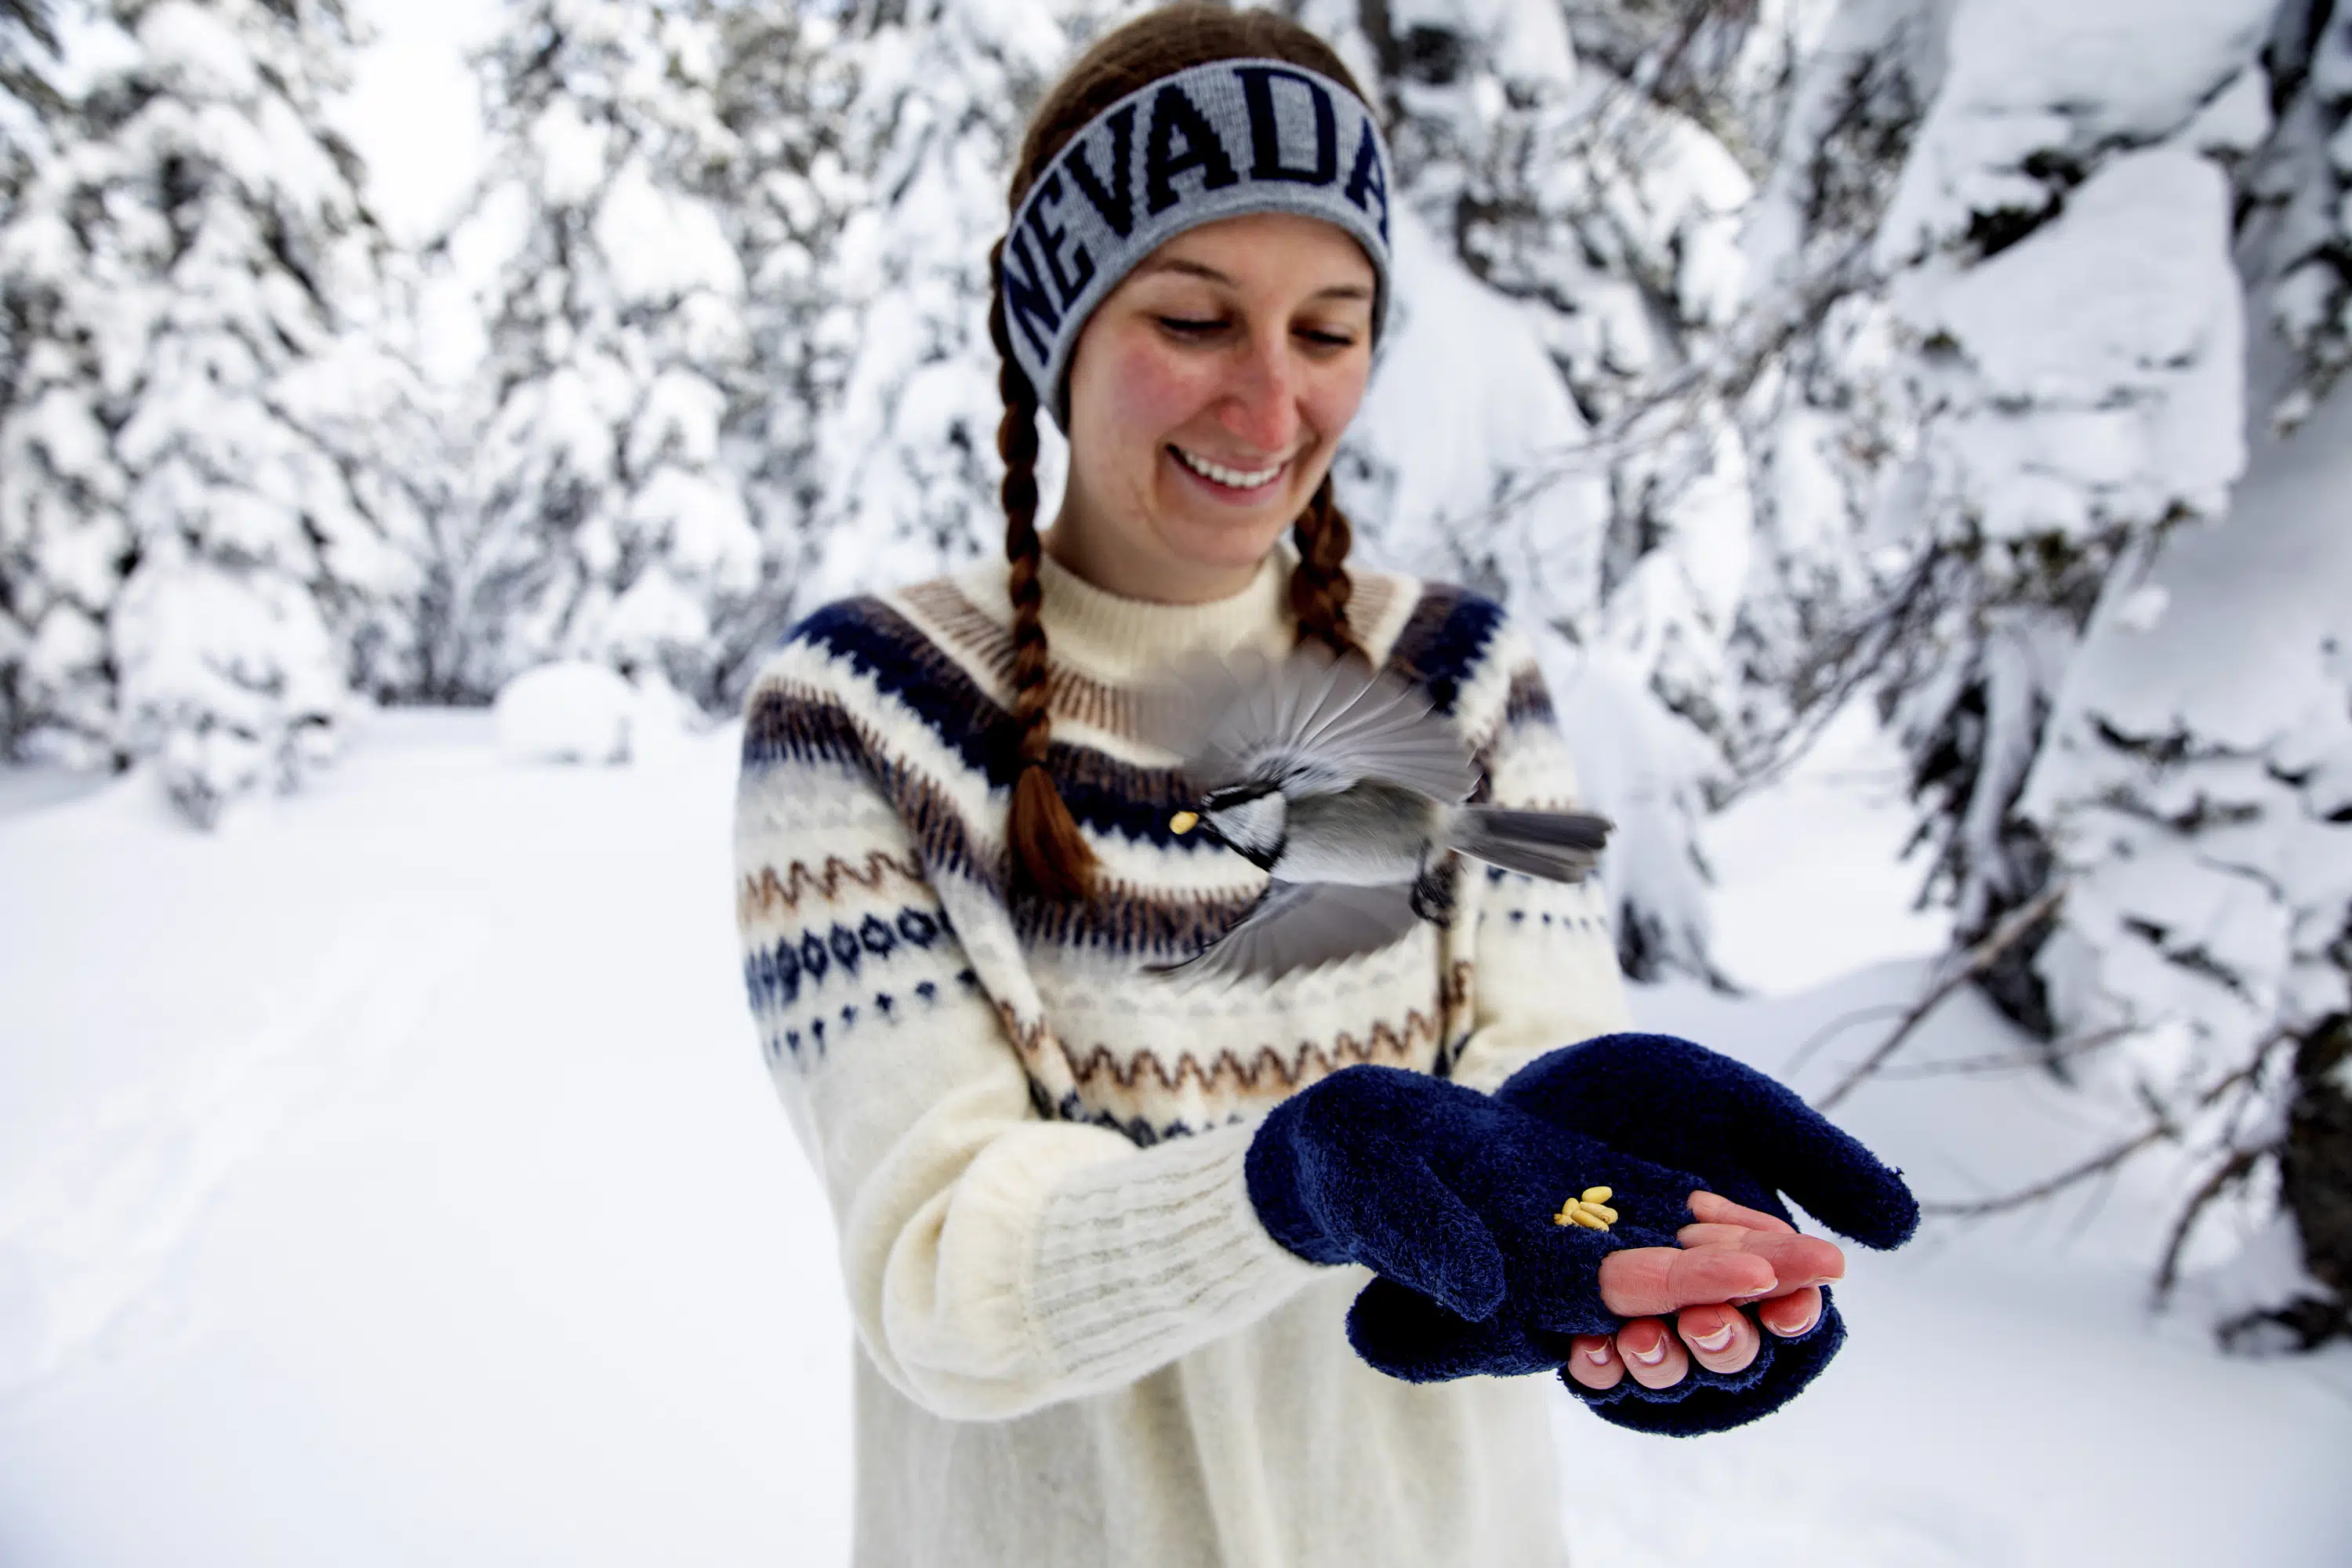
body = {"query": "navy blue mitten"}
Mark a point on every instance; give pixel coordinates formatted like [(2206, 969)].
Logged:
[(1679, 1104), (1457, 1198), (1749, 1138)]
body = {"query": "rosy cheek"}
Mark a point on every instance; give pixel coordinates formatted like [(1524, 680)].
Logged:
[(1153, 393), (1332, 404)]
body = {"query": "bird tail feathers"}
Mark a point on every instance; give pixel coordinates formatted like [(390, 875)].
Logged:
[(1558, 845)]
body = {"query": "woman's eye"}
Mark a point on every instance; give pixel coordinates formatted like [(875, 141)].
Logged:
[(1195, 329)]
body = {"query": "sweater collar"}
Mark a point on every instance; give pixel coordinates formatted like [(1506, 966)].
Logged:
[(1119, 637)]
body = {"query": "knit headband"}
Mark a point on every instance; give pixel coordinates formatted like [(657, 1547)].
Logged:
[(1212, 142)]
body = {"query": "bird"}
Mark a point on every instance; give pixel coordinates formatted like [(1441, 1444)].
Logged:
[(1343, 784)]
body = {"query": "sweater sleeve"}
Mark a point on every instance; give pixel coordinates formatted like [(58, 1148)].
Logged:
[(1545, 957), (996, 1261)]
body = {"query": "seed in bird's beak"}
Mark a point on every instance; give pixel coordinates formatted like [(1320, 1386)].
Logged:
[(1183, 822)]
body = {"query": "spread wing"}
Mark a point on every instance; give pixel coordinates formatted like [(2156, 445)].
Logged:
[(1313, 722), (1299, 925)]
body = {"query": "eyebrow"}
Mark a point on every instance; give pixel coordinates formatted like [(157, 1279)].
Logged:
[(1177, 264)]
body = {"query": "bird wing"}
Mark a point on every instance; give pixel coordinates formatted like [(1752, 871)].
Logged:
[(1312, 723), (1299, 925)]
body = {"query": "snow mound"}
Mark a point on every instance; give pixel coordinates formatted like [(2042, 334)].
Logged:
[(568, 711)]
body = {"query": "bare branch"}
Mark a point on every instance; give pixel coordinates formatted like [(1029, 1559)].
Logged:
[(1979, 1209), (2064, 1050), (2013, 925), (2163, 1127), (1823, 1034), (2227, 1174)]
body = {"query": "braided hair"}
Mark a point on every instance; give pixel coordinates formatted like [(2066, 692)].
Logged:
[(1050, 857)]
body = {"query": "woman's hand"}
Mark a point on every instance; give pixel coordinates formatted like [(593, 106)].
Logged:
[(1730, 1257)]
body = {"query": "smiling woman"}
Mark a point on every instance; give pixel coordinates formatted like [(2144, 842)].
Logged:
[(1114, 1242), (1208, 395)]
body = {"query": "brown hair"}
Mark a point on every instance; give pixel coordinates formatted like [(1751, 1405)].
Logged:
[(1048, 855)]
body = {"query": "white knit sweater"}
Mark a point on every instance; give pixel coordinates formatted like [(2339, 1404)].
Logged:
[(1075, 1343)]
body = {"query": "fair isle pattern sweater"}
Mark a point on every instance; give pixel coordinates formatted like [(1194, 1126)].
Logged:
[(1075, 1342)]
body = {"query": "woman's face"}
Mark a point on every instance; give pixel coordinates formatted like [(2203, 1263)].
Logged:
[(1242, 346)]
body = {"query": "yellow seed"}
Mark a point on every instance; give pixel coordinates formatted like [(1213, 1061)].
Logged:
[(1183, 822), (1590, 1221), (1597, 1195), (1603, 1210)]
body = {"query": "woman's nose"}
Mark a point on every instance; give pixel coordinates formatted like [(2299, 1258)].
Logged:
[(1261, 404)]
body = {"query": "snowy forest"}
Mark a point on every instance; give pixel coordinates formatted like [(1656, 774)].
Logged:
[(1976, 364)]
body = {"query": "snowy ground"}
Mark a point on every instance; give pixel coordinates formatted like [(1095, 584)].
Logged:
[(393, 1178)]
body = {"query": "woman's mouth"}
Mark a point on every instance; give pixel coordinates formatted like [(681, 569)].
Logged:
[(1229, 484)]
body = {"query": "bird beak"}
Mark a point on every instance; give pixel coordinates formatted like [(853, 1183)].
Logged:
[(1183, 822)]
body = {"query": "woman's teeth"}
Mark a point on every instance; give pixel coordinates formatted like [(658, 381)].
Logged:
[(1233, 478)]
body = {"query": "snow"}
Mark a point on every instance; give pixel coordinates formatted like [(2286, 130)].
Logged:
[(372, 1208), (1839, 822), (2287, 546), (2212, 870), (2026, 75), (568, 711), (456, 1221), (572, 154), (195, 50), (2105, 355), (1447, 465), (414, 112)]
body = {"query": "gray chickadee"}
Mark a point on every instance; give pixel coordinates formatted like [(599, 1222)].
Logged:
[(1344, 785)]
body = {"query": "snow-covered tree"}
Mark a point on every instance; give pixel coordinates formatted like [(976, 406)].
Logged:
[(2058, 252), (2303, 191), (2196, 783), (201, 550), (1730, 68), (1588, 225), (2196, 790), (1829, 423), (784, 189), (28, 45), (608, 525), (28, 41), (2100, 214), (906, 457)]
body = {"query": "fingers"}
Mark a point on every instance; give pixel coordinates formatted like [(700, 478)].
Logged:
[(1655, 1357), (1710, 1208), (1647, 1281), (1792, 1314), (1716, 1235), (1795, 1259), (1721, 1338), (1593, 1362)]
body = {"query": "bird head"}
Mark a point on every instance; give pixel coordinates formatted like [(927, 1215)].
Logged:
[(1251, 819)]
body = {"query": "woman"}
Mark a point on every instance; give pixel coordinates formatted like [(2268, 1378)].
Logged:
[(1079, 1341)]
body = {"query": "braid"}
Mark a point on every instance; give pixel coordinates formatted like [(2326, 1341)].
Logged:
[(1319, 588), (1048, 855)]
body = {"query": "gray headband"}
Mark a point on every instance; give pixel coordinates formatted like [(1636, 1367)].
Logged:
[(1212, 142)]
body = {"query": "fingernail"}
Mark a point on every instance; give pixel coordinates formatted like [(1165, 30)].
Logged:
[(1598, 1354), (1714, 1342), (1653, 1358), (1803, 1328)]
